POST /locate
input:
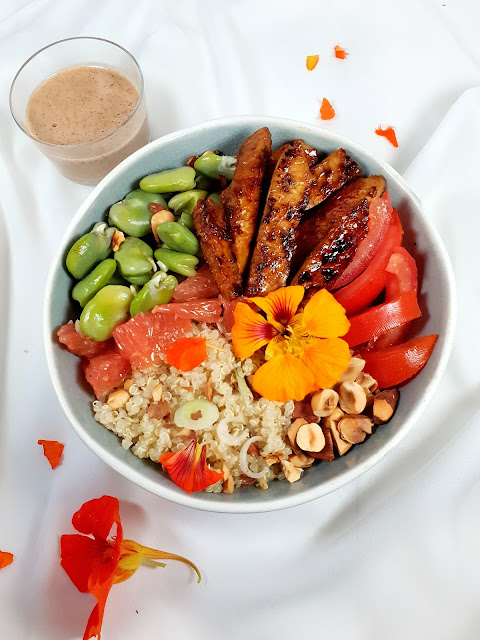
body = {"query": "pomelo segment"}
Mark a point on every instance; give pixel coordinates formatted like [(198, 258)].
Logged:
[(198, 310), (201, 285), (79, 345), (144, 339), (106, 372)]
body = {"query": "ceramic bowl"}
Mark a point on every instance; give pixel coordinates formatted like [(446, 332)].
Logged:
[(436, 296)]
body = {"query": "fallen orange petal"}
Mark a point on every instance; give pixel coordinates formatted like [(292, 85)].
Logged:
[(389, 134), (52, 451), (327, 112), (282, 304), (187, 353), (324, 317), (312, 62), (284, 377), (327, 360), (251, 331), (188, 468), (340, 52), (6, 558)]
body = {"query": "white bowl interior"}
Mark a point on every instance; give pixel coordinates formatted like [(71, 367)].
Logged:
[(436, 300)]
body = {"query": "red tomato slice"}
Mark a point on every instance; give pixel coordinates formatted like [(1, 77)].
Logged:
[(379, 216), (402, 276), (402, 273), (380, 319), (356, 296), (394, 365)]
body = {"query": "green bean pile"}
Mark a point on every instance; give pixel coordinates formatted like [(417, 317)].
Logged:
[(122, 266)]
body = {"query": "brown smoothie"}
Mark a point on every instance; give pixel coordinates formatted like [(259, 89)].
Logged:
[(86, 111)]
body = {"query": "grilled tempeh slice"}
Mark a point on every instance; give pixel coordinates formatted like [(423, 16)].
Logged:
[(286, 200), (330, 175), (335, 250), (209, 223), (318, 222), (241, 199)]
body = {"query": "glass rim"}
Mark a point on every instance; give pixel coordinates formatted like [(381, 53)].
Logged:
[(80, 144)]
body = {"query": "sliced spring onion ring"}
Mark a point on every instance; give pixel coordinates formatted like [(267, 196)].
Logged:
[(197, 415), (226, 437), (242, 459)]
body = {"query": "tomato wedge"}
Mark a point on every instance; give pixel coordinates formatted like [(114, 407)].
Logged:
[(379, 216), (356, 296), (402, 276), (394, 365), (380, 319)]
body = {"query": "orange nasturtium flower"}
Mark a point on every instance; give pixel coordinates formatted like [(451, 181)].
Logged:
[(304, 351), (52, 450), (340, 52), (312, 62), (327, 112), (389, 134), (6, 558), (100, 558)]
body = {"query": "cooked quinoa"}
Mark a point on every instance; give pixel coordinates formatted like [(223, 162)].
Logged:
[(246, 417)]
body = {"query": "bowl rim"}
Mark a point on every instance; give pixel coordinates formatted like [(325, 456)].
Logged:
[(313, 493)]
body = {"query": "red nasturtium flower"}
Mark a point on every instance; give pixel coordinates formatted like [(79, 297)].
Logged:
[(188, 468), (389, 134), (327, 112), (6, 558), (100, 557), (52, 450)]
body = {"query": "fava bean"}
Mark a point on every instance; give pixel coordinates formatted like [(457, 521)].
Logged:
[(84, 290), (216, 199), (89, 250), (105, 311), (158, 290), (182, 179), (117, 279), (182, 263), (135, 261), (177, 237), (186, 201), (132, 215), (213, 165), (205, 184), (186, 220)]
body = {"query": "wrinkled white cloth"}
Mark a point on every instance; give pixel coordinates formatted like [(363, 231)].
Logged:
[(394, 554)]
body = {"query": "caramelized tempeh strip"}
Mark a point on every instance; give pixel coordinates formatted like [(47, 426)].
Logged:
[(286, 200), (330, 175), (216, 247), (241, 199), (333, 253), (318, 222)]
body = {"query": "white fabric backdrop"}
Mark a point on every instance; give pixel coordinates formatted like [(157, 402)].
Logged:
[(395, 554)]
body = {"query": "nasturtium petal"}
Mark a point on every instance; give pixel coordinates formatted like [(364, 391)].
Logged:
[(6, 558), (327, 360), (251, 331), (97, 517), (324, 317), (284, 377), (282, 304)]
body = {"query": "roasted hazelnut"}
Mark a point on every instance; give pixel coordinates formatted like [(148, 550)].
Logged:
[(352, 397), (310, 437), (355, 367), (324, 402)]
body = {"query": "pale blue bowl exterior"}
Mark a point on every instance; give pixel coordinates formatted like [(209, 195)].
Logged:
[(437, 295)]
